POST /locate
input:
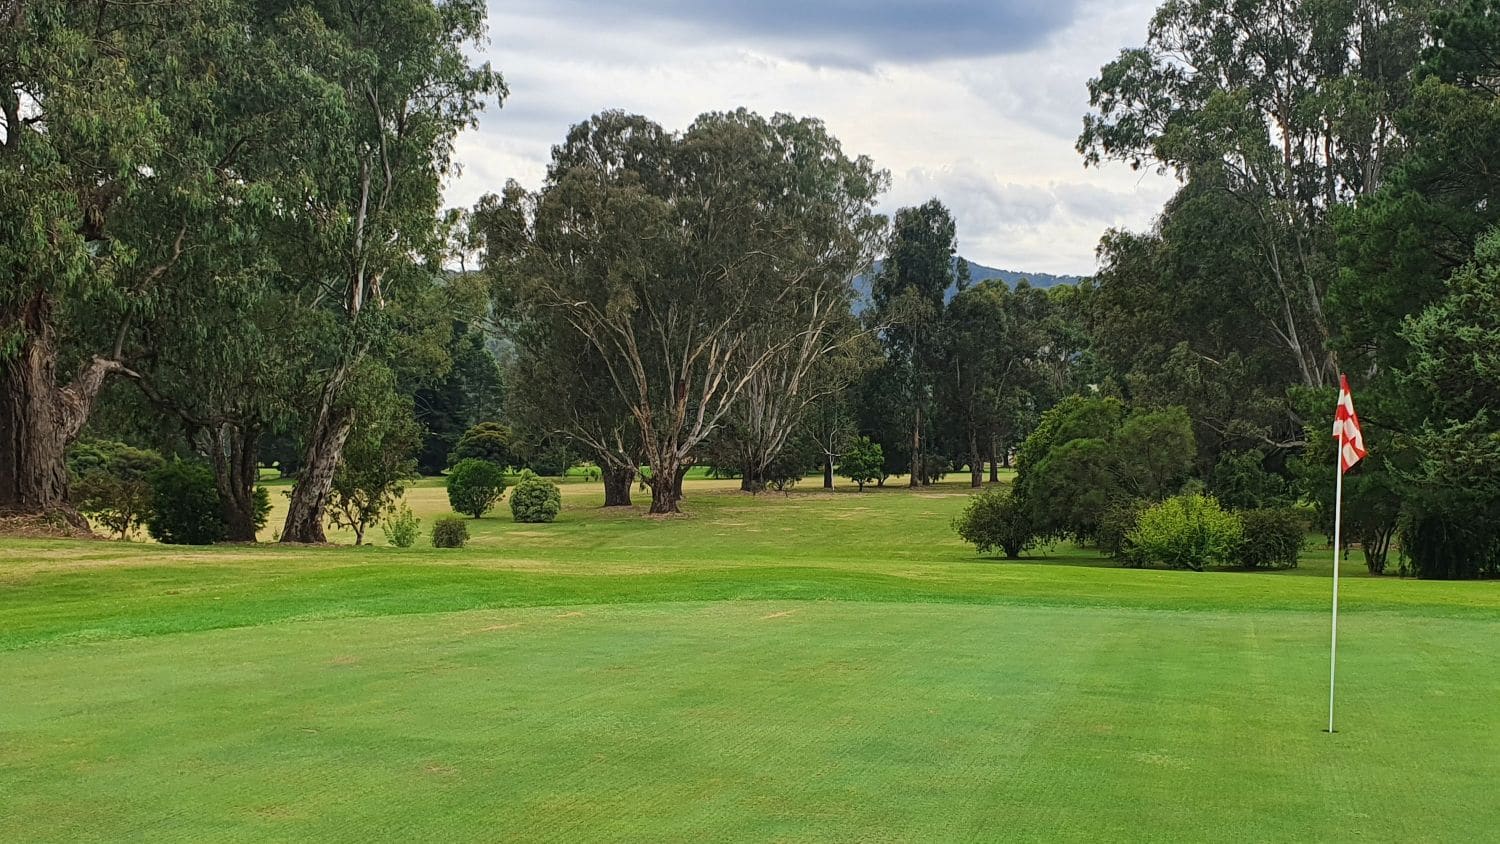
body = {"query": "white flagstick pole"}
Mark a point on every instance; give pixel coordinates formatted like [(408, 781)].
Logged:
[(1338, 518)]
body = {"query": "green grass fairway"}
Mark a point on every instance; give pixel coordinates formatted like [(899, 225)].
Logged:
[(813, 668)]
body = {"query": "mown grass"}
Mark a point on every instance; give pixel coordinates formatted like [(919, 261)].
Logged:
[(811, 667)]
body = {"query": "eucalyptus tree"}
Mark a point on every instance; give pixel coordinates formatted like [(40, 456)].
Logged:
[(96, 138), (779, 399), (690, 262), (908, 295), (1288, 111), (991, 364), (393, 88)]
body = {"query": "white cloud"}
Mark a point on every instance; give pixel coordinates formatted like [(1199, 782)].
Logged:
[(991, 135)]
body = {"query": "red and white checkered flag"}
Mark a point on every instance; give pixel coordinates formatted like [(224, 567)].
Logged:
[(1346, 428)]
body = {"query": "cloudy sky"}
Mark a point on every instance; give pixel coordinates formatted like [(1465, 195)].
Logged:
[(976, 102)]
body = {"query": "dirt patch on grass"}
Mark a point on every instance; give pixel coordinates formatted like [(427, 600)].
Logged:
[(782, 614), (41, 526)]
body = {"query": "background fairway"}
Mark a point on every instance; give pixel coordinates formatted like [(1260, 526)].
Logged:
[(820, 667)]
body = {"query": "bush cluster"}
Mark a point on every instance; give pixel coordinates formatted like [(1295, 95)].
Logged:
[(535, 499), (449, 532)]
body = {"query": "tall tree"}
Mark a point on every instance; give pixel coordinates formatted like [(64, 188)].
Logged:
[(908, 294), (95, 98), (990, 366), (396, 87), (1286, 110), (688, 260)]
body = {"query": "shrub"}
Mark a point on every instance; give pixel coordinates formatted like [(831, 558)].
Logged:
[(403, 527), (489, 441), (111, 483), (1188, 532), (535, 499), (996, 519), (863, 462), (474, 486), (449, 532), (1115, 525), (185, 505), (1273, 538)]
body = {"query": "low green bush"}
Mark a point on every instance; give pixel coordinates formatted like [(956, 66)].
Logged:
[(185, 505), (474, 486), (1273, 538), (1188, 532), (449, 532), (535, 499), (996, 519), (402, 527)]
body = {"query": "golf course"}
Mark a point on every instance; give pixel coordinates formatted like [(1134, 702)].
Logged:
[(813, 666)]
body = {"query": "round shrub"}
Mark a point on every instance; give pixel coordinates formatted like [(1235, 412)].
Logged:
[(474, 486), (1188, 532), (449, 532), (996, 519), (185, 505), (1273, 538), (535, 499)]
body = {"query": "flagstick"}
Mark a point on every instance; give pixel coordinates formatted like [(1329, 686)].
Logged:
[(1338, 518)]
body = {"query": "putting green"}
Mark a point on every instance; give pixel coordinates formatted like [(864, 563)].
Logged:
[(758, 720)]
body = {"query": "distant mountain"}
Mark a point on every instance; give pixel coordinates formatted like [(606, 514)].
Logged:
[(978, 273)]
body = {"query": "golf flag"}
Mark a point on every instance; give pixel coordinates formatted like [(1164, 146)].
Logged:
[(1351, 450), (1346, 429)]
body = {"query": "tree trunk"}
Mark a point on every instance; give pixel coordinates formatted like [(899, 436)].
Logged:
[(617, 482), (666, 487), (828, 471), (916, 449), (976, 462), (752, 478), (994, 464), (233, 451), (359, 533), (325, 447), (38, 419)]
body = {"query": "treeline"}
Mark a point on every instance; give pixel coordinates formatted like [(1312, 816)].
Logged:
[(1337, 212), (222, 217), (681, 299), (223, 240)]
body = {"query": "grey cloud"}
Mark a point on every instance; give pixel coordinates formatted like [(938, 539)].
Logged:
[(844, 32)]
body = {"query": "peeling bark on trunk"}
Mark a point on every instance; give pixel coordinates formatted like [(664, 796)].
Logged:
[(617, 483), (325, 447), (233, 451), (666, 487), (39, 419), (976, 462)]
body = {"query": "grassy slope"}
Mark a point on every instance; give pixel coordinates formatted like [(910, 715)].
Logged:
[(589, 679)]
